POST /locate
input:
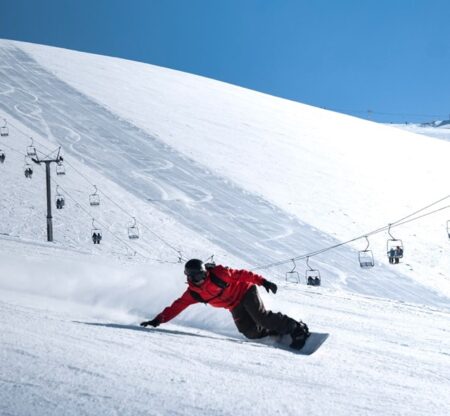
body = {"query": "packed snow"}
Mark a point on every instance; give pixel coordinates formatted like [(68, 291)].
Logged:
[(206, 168)]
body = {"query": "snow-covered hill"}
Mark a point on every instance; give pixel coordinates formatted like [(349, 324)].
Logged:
[(438, 129), (209, 168)]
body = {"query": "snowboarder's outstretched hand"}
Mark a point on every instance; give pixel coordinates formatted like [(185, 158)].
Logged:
[(154, 323), (269, 286)]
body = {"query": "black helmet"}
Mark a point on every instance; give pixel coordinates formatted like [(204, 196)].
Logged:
[(195, 270)]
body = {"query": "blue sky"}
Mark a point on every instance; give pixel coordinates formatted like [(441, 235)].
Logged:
[(391, 57)]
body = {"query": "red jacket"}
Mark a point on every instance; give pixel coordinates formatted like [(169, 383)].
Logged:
[(239, 281)]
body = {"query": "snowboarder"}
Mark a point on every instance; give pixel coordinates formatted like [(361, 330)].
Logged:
[(236, 291)]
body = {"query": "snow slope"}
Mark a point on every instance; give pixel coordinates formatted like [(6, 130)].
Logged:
[(383, 358), (437, 129), (248, 209), (209, 168)]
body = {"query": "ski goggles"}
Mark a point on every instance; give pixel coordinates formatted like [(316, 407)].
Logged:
[(196, 276)]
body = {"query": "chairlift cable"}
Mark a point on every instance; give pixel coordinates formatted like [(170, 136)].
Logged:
[(179, 252), (107, 229), (126, 212), (33, 141), (398, 223), (13, 149), (422, 209), (93, 218), (350, 111)]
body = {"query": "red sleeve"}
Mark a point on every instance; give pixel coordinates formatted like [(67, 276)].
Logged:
[(245, 275), (178, 306)]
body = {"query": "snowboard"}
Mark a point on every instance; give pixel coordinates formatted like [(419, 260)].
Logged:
[(312, 344)]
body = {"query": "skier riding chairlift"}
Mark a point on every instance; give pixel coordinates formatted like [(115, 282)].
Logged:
[(59, 199), (60, 202), (312, 276), (28, 171), (96, 236), (394, 248), (395, 252), (96, 233)]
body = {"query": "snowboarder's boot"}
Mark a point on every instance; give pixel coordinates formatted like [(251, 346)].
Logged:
[(299, 335)]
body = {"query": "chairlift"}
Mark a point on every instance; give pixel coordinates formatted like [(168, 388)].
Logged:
[(59, 199), (312, 276), (448, 228), (365, 257), (180, 257), (133, 231), (394, 248), (2, 156), (94, 199), (60, 169), (293, 276), (96, 233), (4, 131), (31, 150), (27, 169)]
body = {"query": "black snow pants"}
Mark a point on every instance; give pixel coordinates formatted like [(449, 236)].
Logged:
[(254, 321)]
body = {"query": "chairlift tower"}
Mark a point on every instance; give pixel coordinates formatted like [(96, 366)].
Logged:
[(47, 162)]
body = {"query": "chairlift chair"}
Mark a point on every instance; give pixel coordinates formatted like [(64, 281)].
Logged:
[(293, 276), (59, 199), (31, 150), (448, 228), (4, 131), (365, 257), (366, 260), (2, 156), (394, 248), (60, 202), (60, 169), (312, 276), (96, 232), (133, 231), (27, 169), (94, 199)]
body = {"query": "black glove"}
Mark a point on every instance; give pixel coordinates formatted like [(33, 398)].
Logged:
[(269, 286), (154, 323)]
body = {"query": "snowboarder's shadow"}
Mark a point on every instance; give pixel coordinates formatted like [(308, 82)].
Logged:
[(160, 330)]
